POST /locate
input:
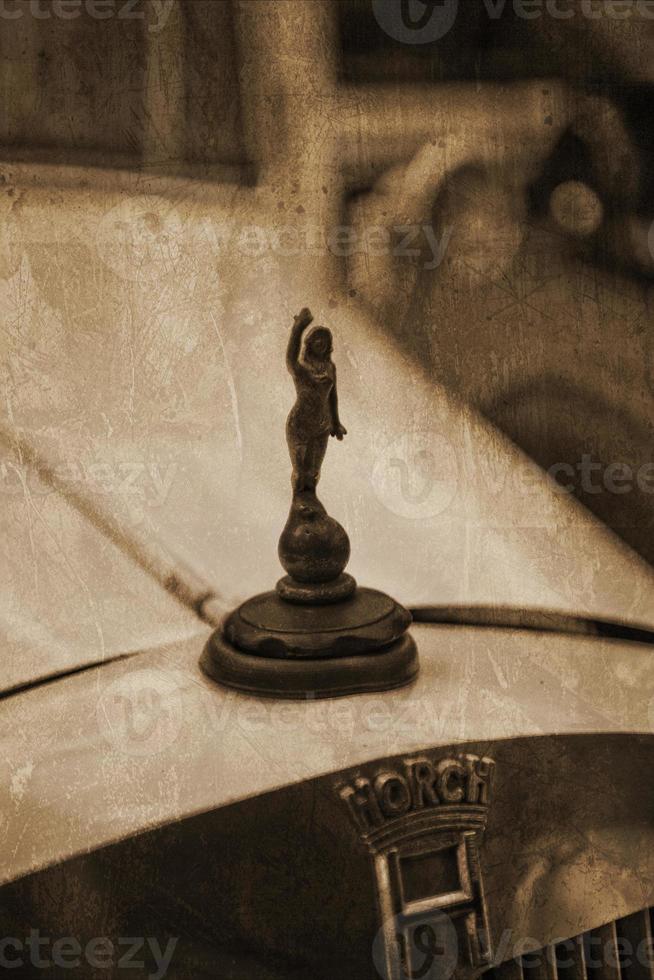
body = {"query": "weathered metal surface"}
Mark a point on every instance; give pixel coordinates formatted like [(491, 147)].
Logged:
[(84, 757), (286, 877)]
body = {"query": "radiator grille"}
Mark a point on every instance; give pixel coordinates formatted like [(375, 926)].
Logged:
[(621, 950)]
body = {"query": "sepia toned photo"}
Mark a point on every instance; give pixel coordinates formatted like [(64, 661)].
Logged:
[(327, 489)]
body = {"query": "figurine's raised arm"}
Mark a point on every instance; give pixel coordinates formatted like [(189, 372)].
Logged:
[(300, 324)]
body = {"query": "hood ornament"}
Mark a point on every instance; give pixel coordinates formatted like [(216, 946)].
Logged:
[(318, 634)]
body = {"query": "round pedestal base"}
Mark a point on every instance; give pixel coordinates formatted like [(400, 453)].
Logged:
[(394, 666), (271, 627)]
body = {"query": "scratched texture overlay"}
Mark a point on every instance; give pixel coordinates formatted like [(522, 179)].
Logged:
[(463, 192)]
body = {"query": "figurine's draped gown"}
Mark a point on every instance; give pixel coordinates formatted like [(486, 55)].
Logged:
[(310, 421)]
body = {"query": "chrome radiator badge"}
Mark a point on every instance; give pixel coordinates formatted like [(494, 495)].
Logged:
[(422, 822)]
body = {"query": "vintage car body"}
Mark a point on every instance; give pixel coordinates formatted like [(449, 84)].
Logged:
[(147, 316), (161, 806), (121, 756)]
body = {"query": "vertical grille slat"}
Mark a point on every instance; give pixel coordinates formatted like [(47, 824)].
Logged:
[(635, 946), (511, 970), (602, 955), (620, 950), (570, 959), (540, 965)]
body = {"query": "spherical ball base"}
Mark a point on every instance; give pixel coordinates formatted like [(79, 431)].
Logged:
[(313, 547)]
